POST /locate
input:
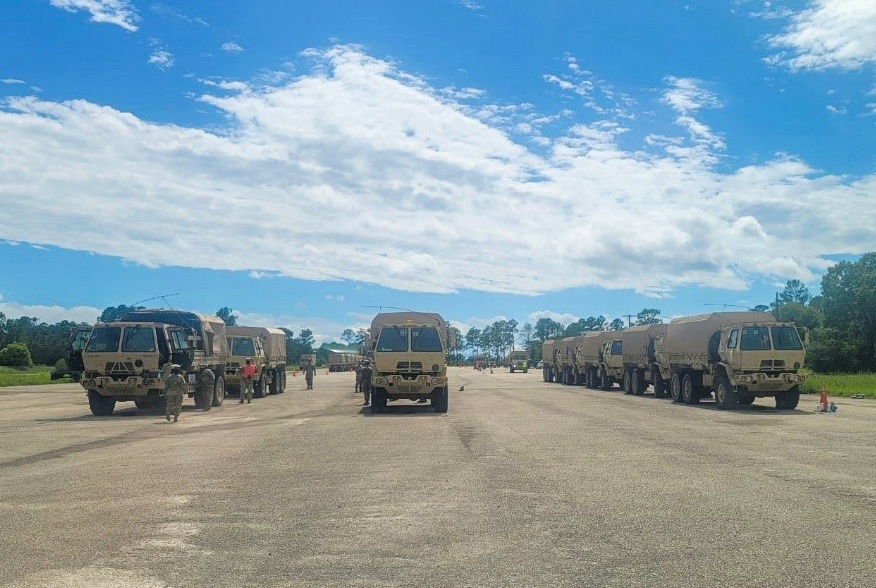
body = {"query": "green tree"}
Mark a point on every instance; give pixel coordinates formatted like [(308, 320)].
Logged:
[(848, 303), (111, 313), (227, 315), (546, 328), (15, 355), (795, 291), (616, 325), (649, 316), (591, 323)]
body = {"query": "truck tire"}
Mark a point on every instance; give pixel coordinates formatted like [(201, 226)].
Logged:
[(259, 388), (591, 378), (746, 398), (275, 382), (204, 397), (788, 400), (628, 385), (100, 405), (525, 370), (689, 393), (440, 400), (637, 383), (511, 370), (659, 384), (604, 380), (725, 396), (219, 391), (378, 400), (675, 388), (283, 384)]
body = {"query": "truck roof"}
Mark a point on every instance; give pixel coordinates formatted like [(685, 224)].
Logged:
[(692, 333), (384, 319)]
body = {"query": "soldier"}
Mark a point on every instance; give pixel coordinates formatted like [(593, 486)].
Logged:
[(248, 371), (208, 380), (174, 389), (308, 370), (359, 368), (366, 381)]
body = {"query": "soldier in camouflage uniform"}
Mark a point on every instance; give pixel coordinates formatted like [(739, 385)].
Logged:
[(367, 372), (174, 390)]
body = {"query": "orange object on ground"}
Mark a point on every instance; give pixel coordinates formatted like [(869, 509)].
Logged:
[(823, 399)]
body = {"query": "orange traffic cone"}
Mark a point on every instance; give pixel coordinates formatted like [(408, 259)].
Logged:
[(293, 374), (823, 399)]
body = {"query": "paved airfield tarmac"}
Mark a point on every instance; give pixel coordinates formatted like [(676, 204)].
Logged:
[(522, 483)]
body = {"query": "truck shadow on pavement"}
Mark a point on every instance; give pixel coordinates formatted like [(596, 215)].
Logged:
[(420, 410)]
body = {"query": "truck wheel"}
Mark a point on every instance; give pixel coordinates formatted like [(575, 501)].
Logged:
[(219, 391), (440, 401), (746, 398), (378, 400), (788, 400), (628, 386), (636, 383), (689, 394), (725, 396), (204, 398), (659, 384), (100, 405), (591, 378), (275, 382), (259, 387), (283, 384), (675, 388), (525, 370), (604, 380), (145, 403)]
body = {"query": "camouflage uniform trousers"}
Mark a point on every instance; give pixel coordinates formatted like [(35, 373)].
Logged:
[(246, 391), (173, 404)]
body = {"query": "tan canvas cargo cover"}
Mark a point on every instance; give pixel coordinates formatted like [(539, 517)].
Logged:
[(691, 334), (591, 343), (636, 339), (273, 340)]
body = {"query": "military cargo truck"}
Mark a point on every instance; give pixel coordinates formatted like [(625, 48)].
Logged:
[(566, 360), (307, 358), (129, 359), (267, 349), (739, 356), (339, 361), (408, 349), (518, 361), (589, 359), (629, 358)]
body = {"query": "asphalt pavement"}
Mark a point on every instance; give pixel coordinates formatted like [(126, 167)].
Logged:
[(521, 483)]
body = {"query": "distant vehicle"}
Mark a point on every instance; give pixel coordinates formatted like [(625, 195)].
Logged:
[(518, 361), (267, 349)]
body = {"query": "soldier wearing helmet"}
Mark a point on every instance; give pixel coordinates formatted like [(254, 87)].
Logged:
[(174, 390)]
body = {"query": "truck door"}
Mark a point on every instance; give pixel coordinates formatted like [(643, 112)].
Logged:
[(73, 351), (181, 351)]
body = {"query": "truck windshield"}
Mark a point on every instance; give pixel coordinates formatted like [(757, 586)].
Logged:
[(393, 339), (138, 340), (425, 339), (104, 340), (755, 339), (241, 347), (786, 339)]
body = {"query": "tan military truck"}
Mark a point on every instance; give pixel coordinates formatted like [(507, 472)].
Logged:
[(739, 356), (409, 353), (518, 361), (588, 360), (628, 357), (549, 369), (128, 359), (566, 360), (267, 349), (307, 358)]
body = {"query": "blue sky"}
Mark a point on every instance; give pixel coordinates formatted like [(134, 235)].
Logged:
[(305, 163)]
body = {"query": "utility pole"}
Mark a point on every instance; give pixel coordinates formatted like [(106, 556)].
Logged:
[(629, 319)]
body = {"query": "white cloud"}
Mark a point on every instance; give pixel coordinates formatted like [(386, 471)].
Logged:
[(564, 318), (470, 5), (829, 34), (355, 142), (335, 297), (835, 110), (161, 58), (231, 47), (12, 81), (50, 314), (165, 10), (118, 12)]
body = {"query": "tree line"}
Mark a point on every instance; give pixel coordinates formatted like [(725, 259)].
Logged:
[(841, 323)]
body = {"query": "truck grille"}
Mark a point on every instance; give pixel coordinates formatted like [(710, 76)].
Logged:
[(772, 364), (120, 368), (409, 366)]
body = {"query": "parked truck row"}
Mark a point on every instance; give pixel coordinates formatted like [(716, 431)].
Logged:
[(343, 362), (128, 359), (734, 357)]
